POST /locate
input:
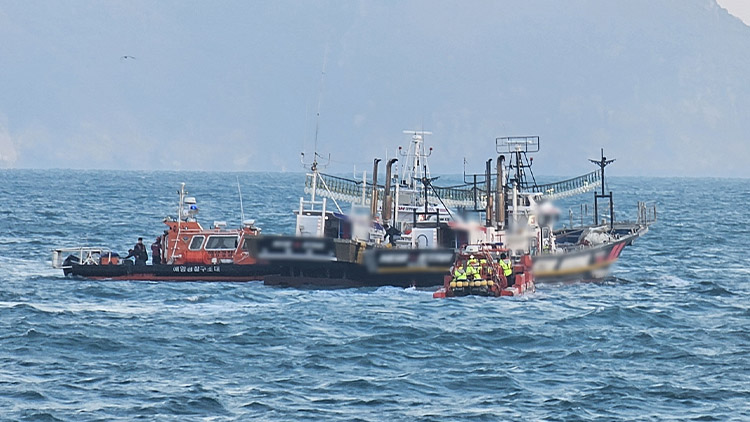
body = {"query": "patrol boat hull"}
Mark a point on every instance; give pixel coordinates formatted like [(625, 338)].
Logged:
[(219, 272)]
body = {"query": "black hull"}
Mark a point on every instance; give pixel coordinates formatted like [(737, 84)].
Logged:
[(221, 272), (378, 267), (347, 274), (337, 263)]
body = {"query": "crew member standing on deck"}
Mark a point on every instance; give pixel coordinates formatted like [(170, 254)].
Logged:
[(156, 252), (507, 267), (139, 250), (392, 234)]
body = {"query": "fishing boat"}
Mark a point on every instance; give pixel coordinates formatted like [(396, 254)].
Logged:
[(432, 223), (404, 232), (189, 252), (388, 234), (583, 252)]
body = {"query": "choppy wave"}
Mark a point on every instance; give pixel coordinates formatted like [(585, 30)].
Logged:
[(664, 338)]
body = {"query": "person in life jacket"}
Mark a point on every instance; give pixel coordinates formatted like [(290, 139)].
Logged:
[(507, 267), (483, 266), (459, 276), (472, 269)]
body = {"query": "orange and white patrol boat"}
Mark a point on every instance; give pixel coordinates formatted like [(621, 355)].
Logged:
[(478, 271), (189, 252)]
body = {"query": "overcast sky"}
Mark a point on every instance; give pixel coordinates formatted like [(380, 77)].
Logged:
[(235, 85)]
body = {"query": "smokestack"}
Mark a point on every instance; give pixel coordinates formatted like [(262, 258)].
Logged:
[(488, 202), (374, 198), (500, 193), (387, 199)]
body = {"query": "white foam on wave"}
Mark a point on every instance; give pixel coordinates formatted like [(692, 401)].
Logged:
[(400, 291), (119, 307), (11, 240), (671, 280), (737, 270), (129, 308), (28, 268)]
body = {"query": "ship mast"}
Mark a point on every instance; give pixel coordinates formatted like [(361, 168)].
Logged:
[(602, 163), (314, 165), (416, 168), (518, 147)]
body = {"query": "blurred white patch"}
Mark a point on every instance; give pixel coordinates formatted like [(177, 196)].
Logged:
[(8, 153), (359, 120), (241, 161)]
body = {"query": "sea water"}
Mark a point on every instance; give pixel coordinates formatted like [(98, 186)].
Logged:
[(666, 337)]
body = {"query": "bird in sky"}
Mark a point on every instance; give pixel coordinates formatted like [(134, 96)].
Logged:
[(127, 58)]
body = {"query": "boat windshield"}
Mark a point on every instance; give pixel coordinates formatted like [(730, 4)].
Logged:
[(221, 243), (196, 243)]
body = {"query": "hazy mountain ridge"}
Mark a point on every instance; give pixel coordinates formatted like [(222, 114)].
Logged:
[(236, 87)]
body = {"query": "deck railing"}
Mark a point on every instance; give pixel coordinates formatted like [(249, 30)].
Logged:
[(569, 187), (343, 189)]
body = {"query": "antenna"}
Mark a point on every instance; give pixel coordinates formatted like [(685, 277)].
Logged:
[(518, 163), (320, 96), (242, 209), (314, 164)]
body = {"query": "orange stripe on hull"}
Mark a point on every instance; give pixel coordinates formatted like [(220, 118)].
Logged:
[(147, 277)]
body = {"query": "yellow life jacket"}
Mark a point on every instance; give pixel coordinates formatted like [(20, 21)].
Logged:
[(459, 275), (473, 271), (506, 266)]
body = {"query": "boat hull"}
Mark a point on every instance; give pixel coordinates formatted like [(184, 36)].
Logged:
[(377, 267), (589, 263), (348, 274), (383, 267)]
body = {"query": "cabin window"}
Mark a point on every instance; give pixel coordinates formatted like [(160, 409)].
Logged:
[(218, 243), (196, 243)]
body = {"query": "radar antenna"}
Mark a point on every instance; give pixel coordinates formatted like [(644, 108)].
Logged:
[(518, 147)]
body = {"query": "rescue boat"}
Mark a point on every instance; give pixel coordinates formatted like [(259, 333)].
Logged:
[(190, 253), (477, 271)]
